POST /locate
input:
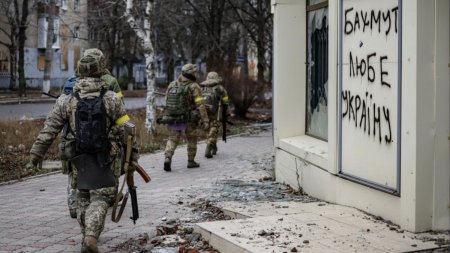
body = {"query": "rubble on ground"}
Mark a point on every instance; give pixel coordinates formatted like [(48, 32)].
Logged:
[(177, 235)]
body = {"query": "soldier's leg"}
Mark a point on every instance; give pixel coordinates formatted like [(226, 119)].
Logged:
[(171, 145), (83, 200), (95, 215), (191, 136), (211, 148), (72, 192), (214, 138)]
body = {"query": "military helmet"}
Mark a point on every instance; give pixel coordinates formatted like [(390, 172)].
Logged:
[(213, 77), (189, 68), (89, 66), (97, 53)]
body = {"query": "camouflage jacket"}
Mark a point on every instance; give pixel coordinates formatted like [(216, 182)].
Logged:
[(64, 111), (113, 85), (222, 95), (196, 100)]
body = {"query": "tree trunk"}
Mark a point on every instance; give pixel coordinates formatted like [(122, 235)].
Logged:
[(49, 47), (21, 43), (261, 62), (145, 35), (13, 67)]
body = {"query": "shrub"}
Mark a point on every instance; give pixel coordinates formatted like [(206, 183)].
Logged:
[(243, 93)]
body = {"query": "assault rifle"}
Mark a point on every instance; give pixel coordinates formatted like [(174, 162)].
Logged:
[(223, 112), (50, 95), (129, 179)]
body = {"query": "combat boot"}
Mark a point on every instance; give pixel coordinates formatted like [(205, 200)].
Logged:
[(89, 245), (214, 148), (167, 164), (208, 151), (73, 213), (193, 164)]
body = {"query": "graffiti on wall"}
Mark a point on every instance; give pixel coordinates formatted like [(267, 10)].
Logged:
[(369, 105), (365, 109)]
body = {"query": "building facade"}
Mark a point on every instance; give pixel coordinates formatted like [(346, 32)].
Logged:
[(70, 40), (361, 105)]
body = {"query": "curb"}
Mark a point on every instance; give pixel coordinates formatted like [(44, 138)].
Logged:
[(30, 178), (26, 101)]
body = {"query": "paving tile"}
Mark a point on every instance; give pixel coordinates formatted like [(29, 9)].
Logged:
[(43, 219)]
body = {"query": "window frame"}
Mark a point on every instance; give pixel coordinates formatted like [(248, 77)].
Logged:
[(310, 8)]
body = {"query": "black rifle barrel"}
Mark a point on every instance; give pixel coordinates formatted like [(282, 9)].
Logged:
[(134, 203)]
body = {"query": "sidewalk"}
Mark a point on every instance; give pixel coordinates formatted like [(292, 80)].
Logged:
[(35, 217)]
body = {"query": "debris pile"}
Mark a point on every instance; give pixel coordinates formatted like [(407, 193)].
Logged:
[(174, 236)]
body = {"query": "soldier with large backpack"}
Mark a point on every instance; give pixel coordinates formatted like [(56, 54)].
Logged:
[(184, 108), (90, 111), (67, 89), (216, 101)]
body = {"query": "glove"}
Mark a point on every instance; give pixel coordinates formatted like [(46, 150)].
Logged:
[(34, 161), (206, 125)]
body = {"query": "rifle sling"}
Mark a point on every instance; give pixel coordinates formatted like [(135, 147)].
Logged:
[(125, 179), (115, 218)]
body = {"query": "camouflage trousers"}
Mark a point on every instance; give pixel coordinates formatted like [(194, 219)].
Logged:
[(72, 190), (213, 131), (191, 138), (91, 205), (92, 208)]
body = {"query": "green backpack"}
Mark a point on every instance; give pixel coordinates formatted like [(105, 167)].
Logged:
[(177, 100), (211, 94)]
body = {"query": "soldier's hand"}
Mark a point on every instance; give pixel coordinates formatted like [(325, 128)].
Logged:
[(33, 163), (35, 160)]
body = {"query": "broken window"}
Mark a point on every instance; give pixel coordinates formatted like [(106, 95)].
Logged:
[(317, 69)]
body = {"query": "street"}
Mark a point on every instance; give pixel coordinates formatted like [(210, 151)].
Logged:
[(40, 110), (35, 216)]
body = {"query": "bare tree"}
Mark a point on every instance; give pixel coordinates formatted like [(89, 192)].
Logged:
[(51, 13), (144, 33), (16, 14), (113, 35), (6, 8), (21, 20), (256, 18)]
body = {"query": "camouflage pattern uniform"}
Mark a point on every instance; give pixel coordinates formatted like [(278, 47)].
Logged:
[(195, 103), (92, 204), (214, 80), (113, 85)]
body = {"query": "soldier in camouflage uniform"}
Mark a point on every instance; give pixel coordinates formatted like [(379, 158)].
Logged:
[(113, 85), (196, 107), (92, 203), (217, 97)]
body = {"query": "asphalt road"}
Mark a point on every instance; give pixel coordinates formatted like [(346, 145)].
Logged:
[(40, 110)]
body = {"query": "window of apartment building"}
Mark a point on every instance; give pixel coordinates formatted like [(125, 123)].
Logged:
[(76, 5), (317, 69), (92, 35), (64, 5), (76, 32)]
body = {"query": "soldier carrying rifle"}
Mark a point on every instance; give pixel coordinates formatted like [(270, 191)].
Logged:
[(90, 111), (216, 103)]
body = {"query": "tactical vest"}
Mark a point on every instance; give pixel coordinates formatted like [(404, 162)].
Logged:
[(211, 94), (177, 101), (91, 133)]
